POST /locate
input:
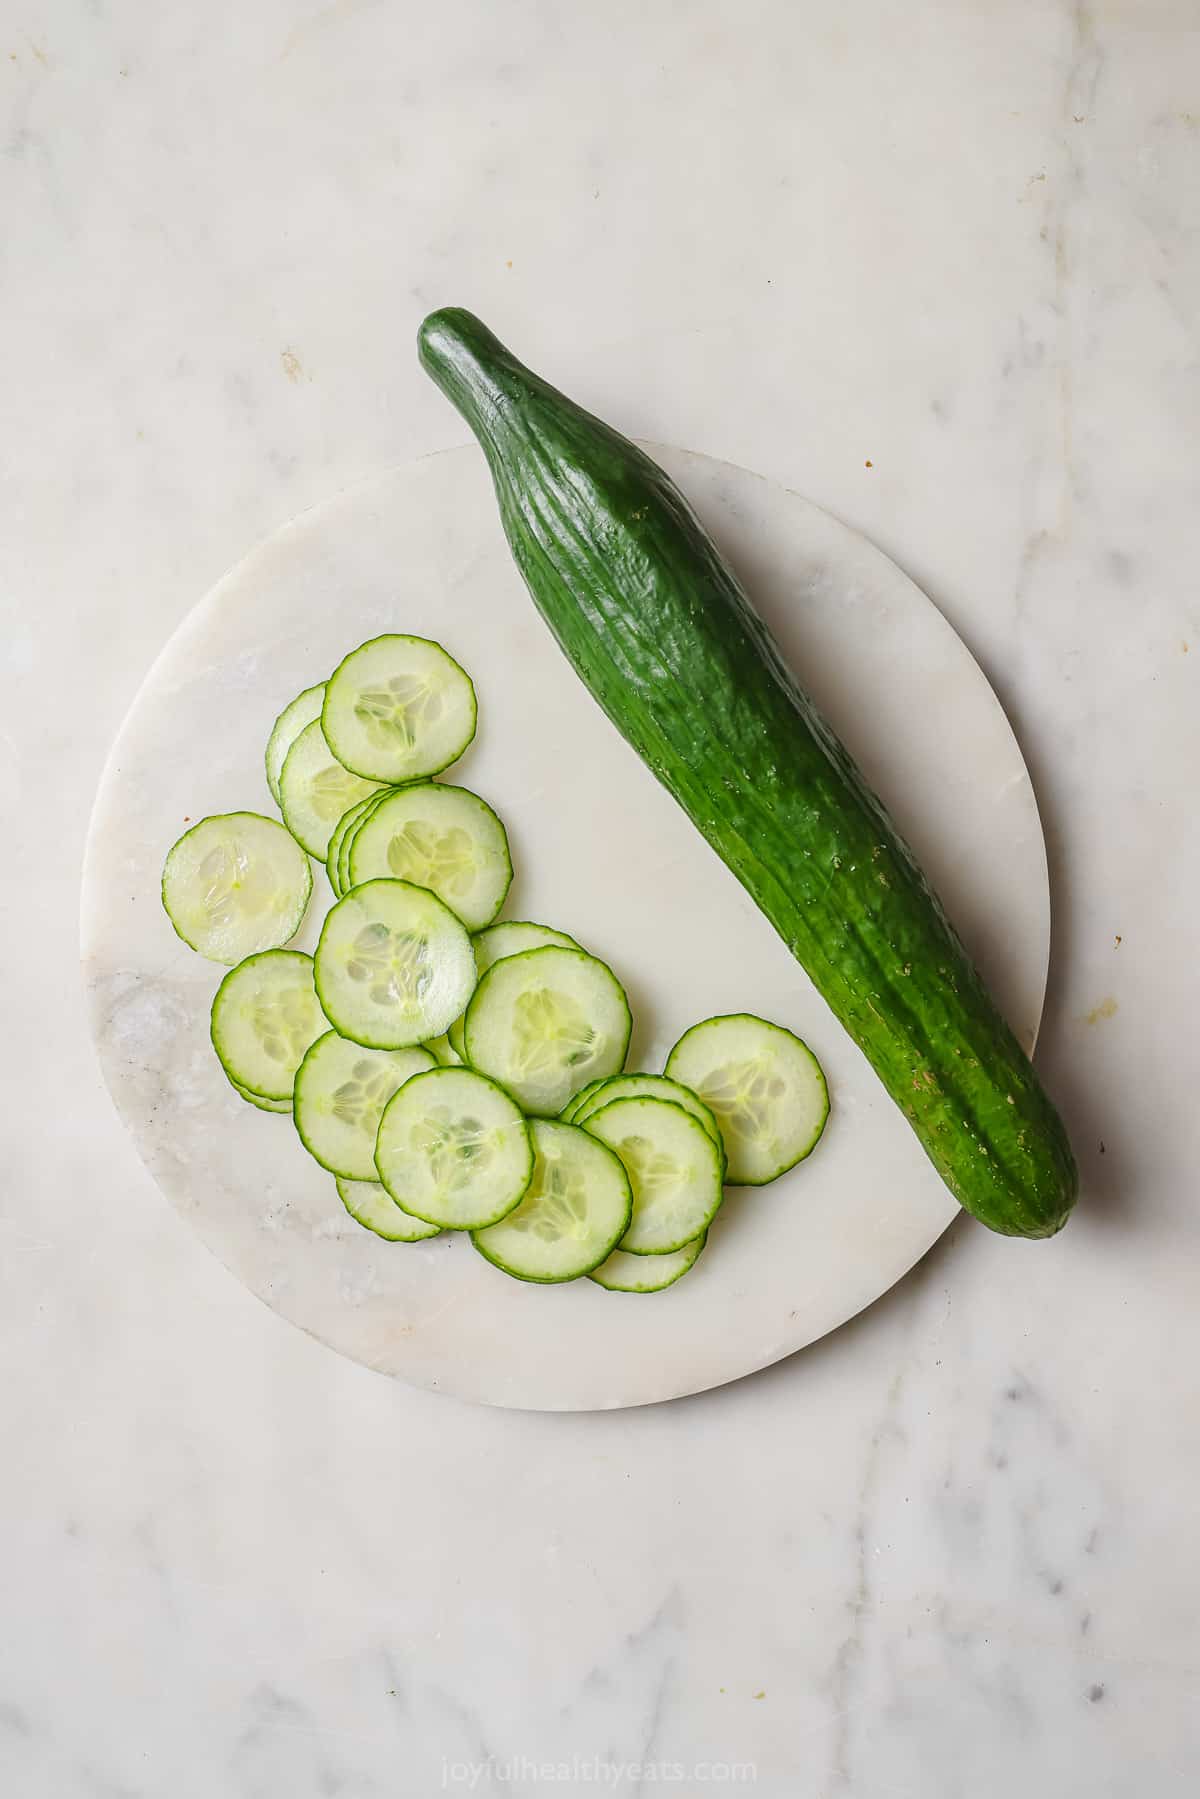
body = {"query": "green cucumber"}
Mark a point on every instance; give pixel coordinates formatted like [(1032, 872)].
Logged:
[(397, 709), (661, 632), (236, 884), (443, 1051), (765, 1088), (393, 965), (575, 1210), (440, 837), (454, 1150)]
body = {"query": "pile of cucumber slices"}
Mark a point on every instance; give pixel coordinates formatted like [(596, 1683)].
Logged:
[(453, 1073)]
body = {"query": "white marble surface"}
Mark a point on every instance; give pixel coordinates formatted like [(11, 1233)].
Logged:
[(951, 1549)]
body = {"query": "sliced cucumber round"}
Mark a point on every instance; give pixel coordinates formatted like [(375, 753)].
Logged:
[(507, 939), (264, 1016), (674, 1168), (544, 1023), (340, 1092), (256, 1099), (287, 727), (393, 965), (398, 708), (763, 1085), (362, 812), (454, 1150), (575, 1210), (315, 791), (345, 823), (645, 1086), (443, 1051), (623, 1273), (369, 1205), (236, 884), (578, 1100), (439, 837)]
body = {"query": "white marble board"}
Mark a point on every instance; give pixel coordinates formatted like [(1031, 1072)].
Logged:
[(601, 851)]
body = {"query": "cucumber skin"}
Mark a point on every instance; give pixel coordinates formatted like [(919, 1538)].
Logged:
[(660, 631)]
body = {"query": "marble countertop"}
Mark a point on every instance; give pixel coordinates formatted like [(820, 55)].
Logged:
[(935, 266)]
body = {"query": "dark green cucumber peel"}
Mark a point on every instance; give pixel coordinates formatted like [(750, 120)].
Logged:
[(662, 634)]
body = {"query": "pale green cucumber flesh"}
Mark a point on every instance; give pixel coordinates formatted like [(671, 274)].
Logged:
[(625, 1273), (315, 791), (545, 1022), (256, 1099), (369, 1205), (454, 1150), (287, 727), (645, 1086), (236, 884), (346, 823), (763, 1085), (440, 837), (511, 938), (340, 1092), (575, 1210), (398, 708), (264, 1017), (674, 1169), (343, 862), (393, 965)]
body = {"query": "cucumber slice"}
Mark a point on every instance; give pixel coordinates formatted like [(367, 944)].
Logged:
[(287, 727), (393, 965), (623, 1273), (443, 838), (454, 1150), (368, 1204), (674, 1168), (236, 884), (645, 1086), (575, 1211), (362, 812), (255, 1099), (398, 708), (507, 939), (544, 1023), (765, 1088), (443, 1051), (340, 1092), (344, 824), (571, 1110), (315, 791), (264, 1016)]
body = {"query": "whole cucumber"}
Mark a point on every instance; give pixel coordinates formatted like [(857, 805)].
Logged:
[(658, 628)]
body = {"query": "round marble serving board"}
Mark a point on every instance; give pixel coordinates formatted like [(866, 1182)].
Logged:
[(601, 851)]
